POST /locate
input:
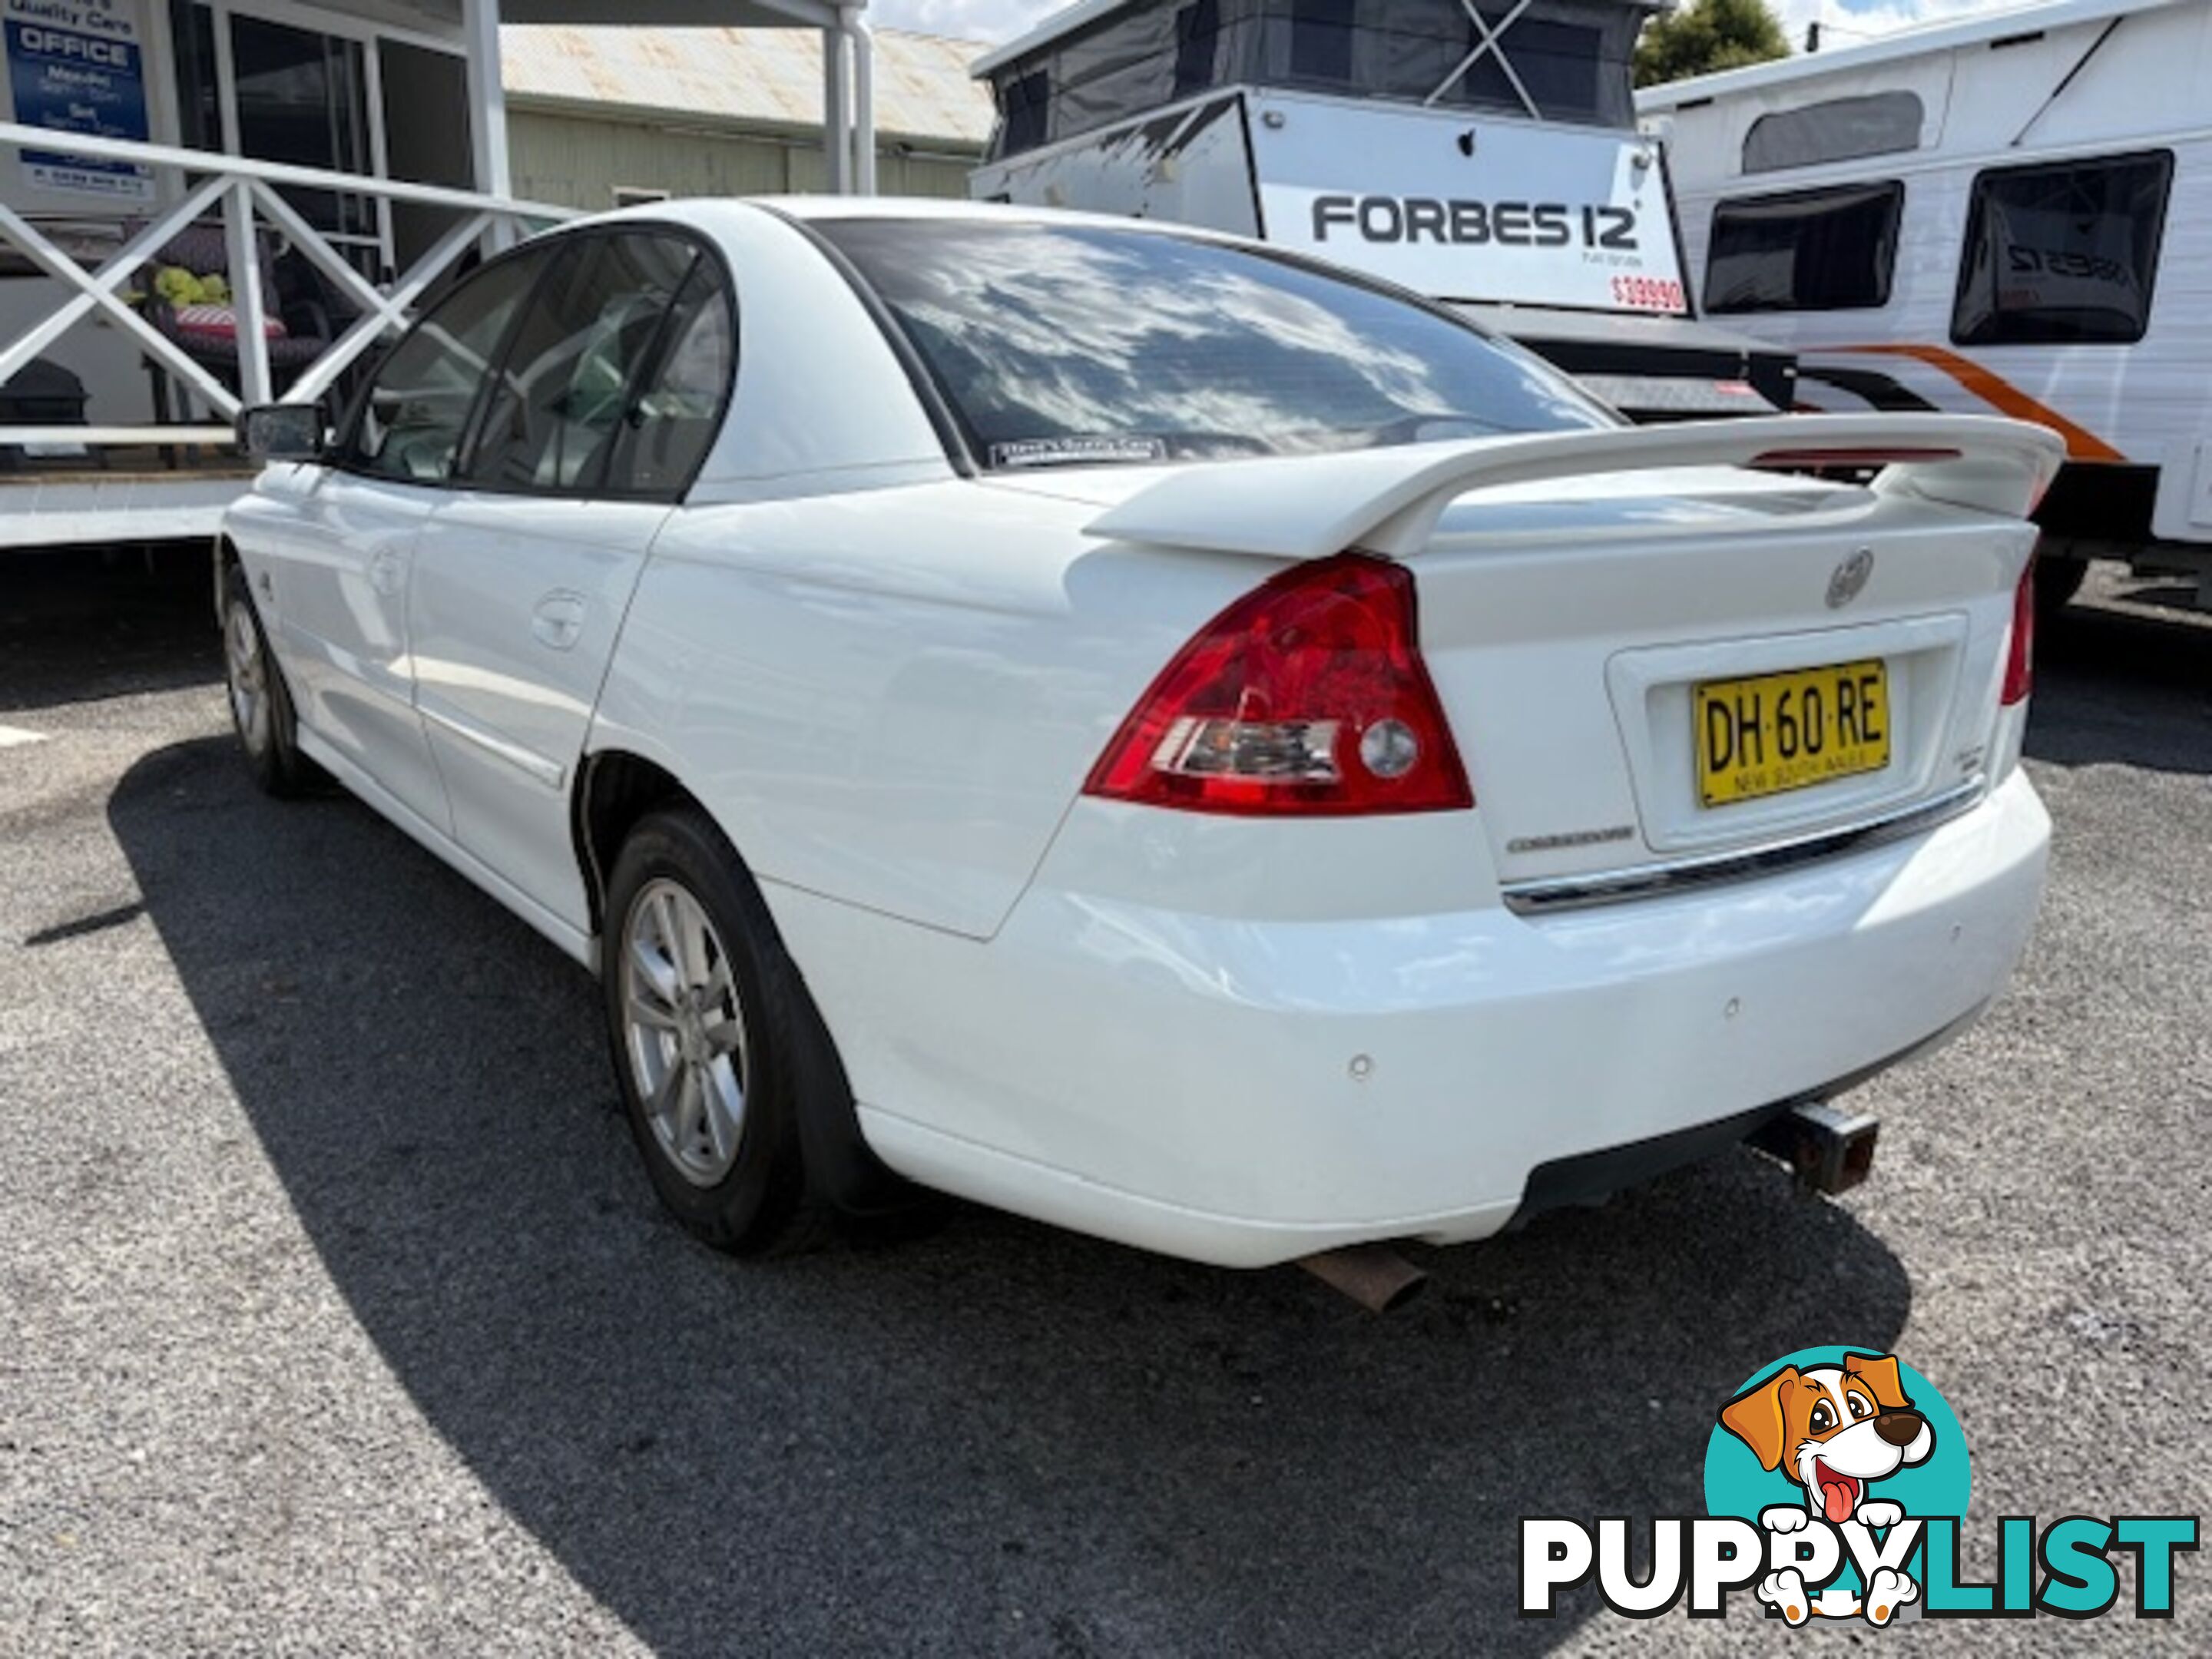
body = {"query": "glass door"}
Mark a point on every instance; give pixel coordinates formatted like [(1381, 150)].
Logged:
[(302, 96)]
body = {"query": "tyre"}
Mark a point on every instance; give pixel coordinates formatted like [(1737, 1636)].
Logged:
[(2056, 582), (716, 1042), (261, 702)]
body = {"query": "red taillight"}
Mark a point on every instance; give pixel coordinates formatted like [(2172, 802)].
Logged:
[(2020, 654), (1306, 697)]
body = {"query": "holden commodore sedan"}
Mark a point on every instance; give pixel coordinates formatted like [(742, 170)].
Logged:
[(1130, 726)]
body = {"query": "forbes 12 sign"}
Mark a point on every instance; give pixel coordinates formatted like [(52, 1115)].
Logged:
[(1489, 210)]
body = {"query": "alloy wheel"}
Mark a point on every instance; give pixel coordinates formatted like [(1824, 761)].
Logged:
[(684, 1030)]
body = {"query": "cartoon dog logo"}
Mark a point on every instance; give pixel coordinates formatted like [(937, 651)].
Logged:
[(1837, 1429)]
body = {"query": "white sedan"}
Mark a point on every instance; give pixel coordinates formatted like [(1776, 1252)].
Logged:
[(1132, 727)]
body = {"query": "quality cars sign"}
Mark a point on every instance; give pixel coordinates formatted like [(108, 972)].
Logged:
[(1509, 211)]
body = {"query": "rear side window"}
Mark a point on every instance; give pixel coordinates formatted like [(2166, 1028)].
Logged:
[(680, 408), (411, 415), (1809, 250), (2062, 254), (1060, 345), (558, 403)]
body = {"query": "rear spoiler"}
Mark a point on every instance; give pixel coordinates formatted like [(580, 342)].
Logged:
[(1387, 501)]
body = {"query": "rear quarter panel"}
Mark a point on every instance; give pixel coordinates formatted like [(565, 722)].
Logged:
[(890, 697)]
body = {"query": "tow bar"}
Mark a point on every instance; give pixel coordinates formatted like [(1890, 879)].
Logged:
[(1831, 1149)]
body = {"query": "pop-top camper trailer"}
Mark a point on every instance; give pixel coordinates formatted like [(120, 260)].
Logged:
[(2010, 214), (1483, 152)]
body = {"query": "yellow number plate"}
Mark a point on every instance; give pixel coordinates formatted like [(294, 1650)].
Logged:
[(1775, 732)]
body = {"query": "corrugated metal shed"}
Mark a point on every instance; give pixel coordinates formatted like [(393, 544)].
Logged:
[(747, 77)]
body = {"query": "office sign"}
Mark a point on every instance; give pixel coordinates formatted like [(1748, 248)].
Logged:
[(79, 66)]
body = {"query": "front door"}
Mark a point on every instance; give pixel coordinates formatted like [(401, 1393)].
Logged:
[(597, 416)]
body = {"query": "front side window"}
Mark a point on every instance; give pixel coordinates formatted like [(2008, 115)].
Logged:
[(565, 386), (2062, 254), (416, 406), (1811, 250), (1058, 344)]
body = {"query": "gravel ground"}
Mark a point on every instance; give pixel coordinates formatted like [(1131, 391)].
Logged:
[(335, 1314)]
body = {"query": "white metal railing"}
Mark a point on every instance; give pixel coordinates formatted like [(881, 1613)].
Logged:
[(245, 192)]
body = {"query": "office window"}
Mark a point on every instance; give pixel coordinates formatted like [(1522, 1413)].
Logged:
[(2062, 254), (1813, 250)]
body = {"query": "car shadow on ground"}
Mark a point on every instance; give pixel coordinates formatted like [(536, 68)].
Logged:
[(995, 1436), (78, 624)]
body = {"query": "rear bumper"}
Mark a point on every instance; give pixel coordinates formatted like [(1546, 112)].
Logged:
[(1245, 1092)]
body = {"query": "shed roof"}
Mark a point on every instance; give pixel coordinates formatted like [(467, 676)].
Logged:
[(743, 77)]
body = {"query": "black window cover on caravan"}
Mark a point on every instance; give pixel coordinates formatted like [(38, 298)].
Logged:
[(1571, 56)]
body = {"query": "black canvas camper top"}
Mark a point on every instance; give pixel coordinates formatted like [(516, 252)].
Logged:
[(1103, 61)]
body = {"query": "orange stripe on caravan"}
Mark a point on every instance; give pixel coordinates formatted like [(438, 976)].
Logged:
[(2001, 394)]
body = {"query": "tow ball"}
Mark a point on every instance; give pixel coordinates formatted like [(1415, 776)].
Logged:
[(1829, 1149)]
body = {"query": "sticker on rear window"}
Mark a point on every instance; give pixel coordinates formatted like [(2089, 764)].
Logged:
[(1077, 451)]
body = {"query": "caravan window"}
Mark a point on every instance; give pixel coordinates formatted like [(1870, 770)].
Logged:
[(1839, 130), (1027, 102), (2062, 254), (1198, 31), (1562, 64), (1810, 250), (1321, 41)]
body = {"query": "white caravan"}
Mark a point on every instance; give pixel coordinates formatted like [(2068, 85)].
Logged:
[(2013, 213), (1486, 154)]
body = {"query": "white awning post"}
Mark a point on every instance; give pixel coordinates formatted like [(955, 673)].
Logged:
[(247, 302), (855, 28), (836, 137), (488, 108)]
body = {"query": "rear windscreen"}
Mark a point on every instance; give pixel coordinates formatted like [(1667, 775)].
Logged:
[(1062, 345)]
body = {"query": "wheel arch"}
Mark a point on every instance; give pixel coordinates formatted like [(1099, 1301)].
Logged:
[(616, 789)]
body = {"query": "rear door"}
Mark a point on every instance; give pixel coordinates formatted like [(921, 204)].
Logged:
[(599, 413), (338, 564)]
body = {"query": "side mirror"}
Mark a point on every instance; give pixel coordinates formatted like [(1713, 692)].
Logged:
[(283, 432)]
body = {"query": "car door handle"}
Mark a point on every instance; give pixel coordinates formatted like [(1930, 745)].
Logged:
[(558, 620), (386, 574)]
